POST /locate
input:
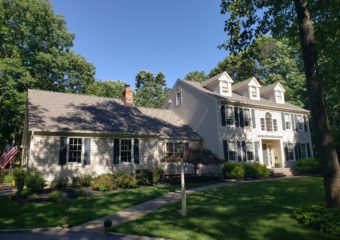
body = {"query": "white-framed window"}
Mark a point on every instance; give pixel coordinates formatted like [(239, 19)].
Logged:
[(232, 150), (170, 149), (225, 87), (178, 98), (250, 151), (173, 148), (269, 124), (275, 125), (246, 117), (263, 125), (300, 122), (229, 115), (253, 92), (279, 96), (125, 150), (75, 150), (287, 121)]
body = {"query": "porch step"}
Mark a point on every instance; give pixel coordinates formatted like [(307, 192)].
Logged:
[(281, 172)]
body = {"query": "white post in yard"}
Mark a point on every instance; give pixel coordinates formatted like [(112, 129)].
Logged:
[(184, 198)]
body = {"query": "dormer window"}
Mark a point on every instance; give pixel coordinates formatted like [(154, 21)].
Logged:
[(220, 84), (225, 88), (279, 97), (253, 92)]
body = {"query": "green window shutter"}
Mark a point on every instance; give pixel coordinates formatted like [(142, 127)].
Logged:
[(223, 116), (253, 118), (87, 152), (244, 151), (296, 123), (283, 121), (257, 145), (285, 146), (116, 151), (305, 123), (136, 151), (237, 122), (293, 122), (62, 151), (225, 148)]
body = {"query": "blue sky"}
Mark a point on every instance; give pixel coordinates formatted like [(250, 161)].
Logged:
[(121, 37)]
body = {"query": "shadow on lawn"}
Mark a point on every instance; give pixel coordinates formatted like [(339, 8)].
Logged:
[(240, 211)]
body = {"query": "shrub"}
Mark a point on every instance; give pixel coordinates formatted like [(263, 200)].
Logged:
[(19, 177), (107, 224), (104, 183), (323, 219), (144, 177), (255, 170), (34, 182), (9, 178), (82, 181), (233, 170), (61, 184), (23, 194), (56, 196), (308, 166), (157, 175), (124, 180)]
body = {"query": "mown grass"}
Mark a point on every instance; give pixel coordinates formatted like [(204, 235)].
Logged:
[(14, 215), (254, 210)]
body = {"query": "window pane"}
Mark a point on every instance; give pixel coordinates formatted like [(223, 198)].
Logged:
[(125, 150), (75, 150)]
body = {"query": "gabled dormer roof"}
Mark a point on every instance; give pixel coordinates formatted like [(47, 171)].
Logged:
[(246, 83), (224, 76), (272, 87)]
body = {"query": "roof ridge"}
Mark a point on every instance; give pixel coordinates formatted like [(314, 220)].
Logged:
[(74, 94)]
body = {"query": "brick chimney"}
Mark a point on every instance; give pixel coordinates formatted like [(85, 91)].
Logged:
[(127, 97)]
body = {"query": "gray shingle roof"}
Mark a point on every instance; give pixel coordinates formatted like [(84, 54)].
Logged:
[(63, 112), (242, 84), (236, 98)]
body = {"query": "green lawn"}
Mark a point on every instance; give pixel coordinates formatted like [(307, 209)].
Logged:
[(258, 210), (78, 211)]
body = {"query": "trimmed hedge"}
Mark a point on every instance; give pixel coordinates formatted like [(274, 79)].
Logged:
[(326, 220), (103, 183), (308, 166), (149, 177), (233, 170)]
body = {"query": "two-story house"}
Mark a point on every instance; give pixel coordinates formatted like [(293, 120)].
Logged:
[(243, 121)]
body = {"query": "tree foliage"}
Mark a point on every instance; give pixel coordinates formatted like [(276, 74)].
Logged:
[(151, 91), (269, 60), (247, 20), (197, 76), (109, 88), (35, 52)]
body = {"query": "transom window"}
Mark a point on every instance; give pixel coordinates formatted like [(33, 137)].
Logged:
[(178, 98), (253, 92), (75, 150), (125, 150), (232, 151), (250, 151), (246, 117), (229, 115), (287, 121)]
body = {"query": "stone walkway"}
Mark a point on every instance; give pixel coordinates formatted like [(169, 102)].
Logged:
[(139, 210)]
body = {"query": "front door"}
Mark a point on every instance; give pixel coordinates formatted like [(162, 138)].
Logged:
[(268, 155)]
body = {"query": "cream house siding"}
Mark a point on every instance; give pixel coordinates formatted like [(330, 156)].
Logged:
[(198, 111), (44, 156)]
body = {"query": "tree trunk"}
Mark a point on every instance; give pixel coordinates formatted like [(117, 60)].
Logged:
[(328, 155)]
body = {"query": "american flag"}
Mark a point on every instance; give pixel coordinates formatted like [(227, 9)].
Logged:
[(7, 156)]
